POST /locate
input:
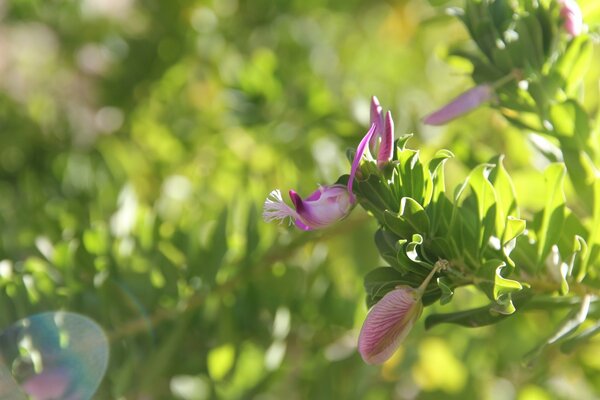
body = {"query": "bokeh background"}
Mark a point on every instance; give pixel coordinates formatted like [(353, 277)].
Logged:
[(138, 140)]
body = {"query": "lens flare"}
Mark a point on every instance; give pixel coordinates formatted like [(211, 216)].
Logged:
[(54, 355)]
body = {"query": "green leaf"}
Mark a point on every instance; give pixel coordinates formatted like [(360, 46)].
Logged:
[(387, 244), (398, 225), (439, 209), (476, 317), (446, 288), (413, 254), (497, 287), (514, 227), (413, 213), (411, 175), (379, 281), (569, 324), (569, 119), (401, 141), (570, 344), (575, 61), (486, 202), (593, 239), (506, 203), (554, 211)]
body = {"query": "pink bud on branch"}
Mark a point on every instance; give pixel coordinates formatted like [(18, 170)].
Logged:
[(461, 105), (391, 319)]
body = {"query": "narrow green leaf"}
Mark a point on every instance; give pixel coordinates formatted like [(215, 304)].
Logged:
[(593, 239), (411, 174), (569, 324), (506, 203), (486, 202), (476, 317), (570, 344), (554, 211), (445, 286)]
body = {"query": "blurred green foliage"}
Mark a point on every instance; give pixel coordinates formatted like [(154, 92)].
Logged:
[(138, 141)]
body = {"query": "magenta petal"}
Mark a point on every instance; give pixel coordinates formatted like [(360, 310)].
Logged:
[(302, 226), (386, 147), (377, 119), (297, 200), (360, 150), (461, 105), (388, 323)]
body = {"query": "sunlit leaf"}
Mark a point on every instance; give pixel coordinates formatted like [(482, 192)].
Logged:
[(554, 210)]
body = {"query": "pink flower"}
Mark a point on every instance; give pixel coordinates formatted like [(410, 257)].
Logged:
[(461, 105), (330, 204), (325, 206), (391, 319), (388, 323), (572, 17)]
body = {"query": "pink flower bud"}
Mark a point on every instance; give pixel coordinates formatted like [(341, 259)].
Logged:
[(388, 323), (572, 17), (461, 105), (325, 206), (382, 140)]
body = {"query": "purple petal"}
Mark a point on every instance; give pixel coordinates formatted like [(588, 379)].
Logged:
[(302, 226), (332, 205), (297, 200), (386, 147), (388, 323), (461, 105), (377, 119), (360, 150)]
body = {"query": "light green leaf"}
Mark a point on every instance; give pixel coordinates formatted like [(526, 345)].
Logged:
[(514, 227), (569, 119), (554, 211), (569, 324), (593, 239), (497, 287), (570, 344), (506, 203), (486, 202)]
